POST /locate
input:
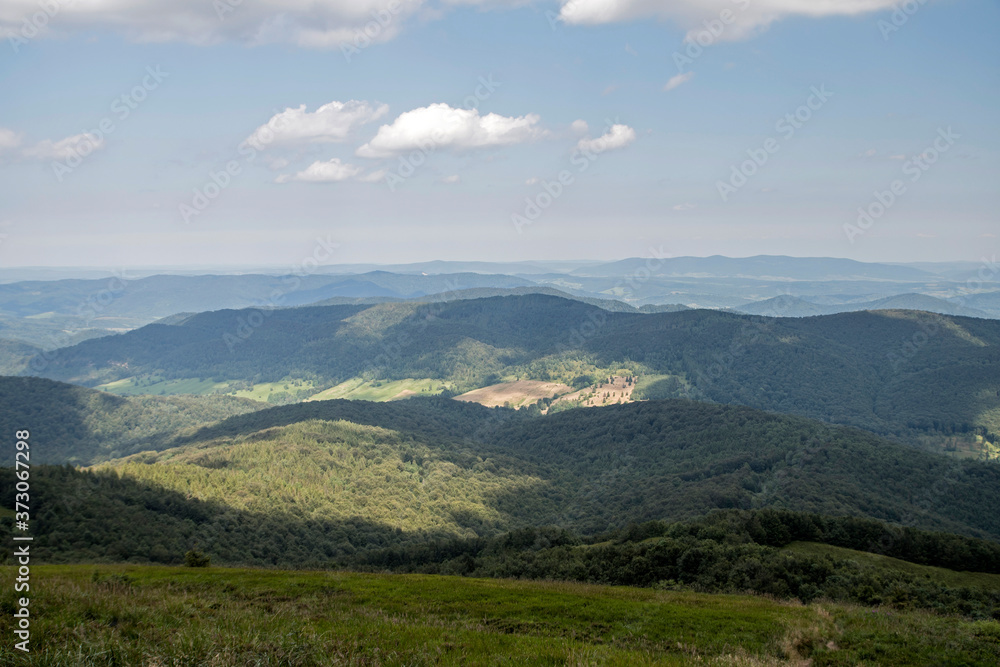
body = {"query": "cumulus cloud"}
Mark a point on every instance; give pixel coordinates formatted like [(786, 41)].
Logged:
[(331, 171), (618, 136), (579, 126), (78, 145), (331, 122), (440, 126), (678, 80), (748, 16), (321, 24)]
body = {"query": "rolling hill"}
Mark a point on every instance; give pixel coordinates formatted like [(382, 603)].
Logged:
[(895, 373), (309, 483)]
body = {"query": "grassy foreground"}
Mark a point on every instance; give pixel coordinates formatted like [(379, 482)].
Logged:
[(166, 616)]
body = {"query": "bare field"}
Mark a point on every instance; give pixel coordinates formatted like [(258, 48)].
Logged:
[(516, 394)]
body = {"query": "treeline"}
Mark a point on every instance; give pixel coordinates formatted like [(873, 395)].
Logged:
[(727, 552)]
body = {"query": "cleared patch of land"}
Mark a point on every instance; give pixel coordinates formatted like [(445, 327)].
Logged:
[(514, 394), (358, 389), (143, 615)]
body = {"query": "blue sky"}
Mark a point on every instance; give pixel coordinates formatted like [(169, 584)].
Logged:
[(447, 135)]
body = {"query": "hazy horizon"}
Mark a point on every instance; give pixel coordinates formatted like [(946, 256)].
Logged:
[(232, 133)]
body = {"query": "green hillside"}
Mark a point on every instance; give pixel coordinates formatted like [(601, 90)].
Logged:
[(312, 483), (732, 551), (898, 373)]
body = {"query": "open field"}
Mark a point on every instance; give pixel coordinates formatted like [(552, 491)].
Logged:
[(358, 389), (137, 615), (514, 394)]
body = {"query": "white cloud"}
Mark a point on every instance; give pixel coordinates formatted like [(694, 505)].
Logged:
[(321, 24), (454, 178), (579, 126), (78, 145), (9, 139), (618, 136), (331, 122), (354, 24), (749, 16), (678, 80), (687, 206), (331, 171), (440, 126)]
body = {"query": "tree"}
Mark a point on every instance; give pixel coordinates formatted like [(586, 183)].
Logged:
[(195, 558)]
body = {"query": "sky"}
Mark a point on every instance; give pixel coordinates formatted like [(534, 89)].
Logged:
[(241, 132)]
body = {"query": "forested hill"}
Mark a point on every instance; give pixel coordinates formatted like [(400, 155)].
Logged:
[(891, 372), (308, 483), (83, 426)]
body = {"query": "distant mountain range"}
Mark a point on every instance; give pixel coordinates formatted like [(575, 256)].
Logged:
[(792, 306), (760, 267)]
